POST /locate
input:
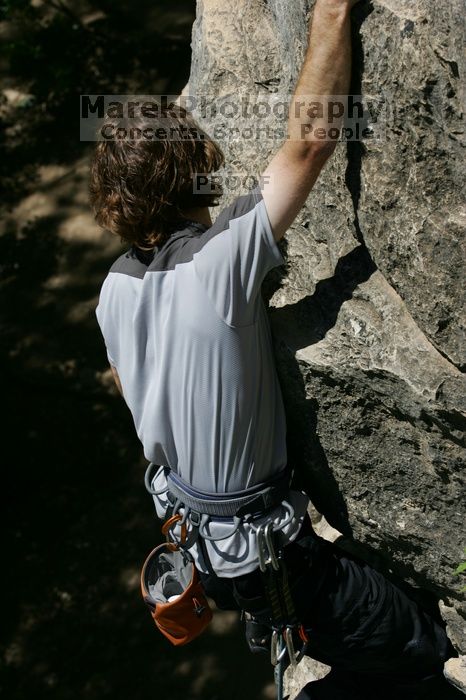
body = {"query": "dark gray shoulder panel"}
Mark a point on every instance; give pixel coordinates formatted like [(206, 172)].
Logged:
[(181, 247), (128, 264), (178, 249)]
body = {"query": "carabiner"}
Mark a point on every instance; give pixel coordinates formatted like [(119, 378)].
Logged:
[(265, 548), (268, 534), (279, 667), (274, 648), (277, 648), (290, 646)]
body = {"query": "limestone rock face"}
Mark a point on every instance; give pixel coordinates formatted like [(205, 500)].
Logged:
[(368, 314), (455, 671)]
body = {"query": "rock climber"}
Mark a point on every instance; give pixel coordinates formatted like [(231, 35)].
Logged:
[(190, 347)]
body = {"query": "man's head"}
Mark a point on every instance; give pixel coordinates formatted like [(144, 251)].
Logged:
[(142, 174)]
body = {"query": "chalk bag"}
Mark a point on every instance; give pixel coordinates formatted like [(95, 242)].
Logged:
[(172, 590)]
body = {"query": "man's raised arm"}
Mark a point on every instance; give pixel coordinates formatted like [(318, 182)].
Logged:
[(326, 72)]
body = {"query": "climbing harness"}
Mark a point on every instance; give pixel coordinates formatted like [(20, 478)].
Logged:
[(199, 508), (193, 510), (254, 501)]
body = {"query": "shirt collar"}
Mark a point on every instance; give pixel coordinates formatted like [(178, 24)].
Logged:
[(182, 228)]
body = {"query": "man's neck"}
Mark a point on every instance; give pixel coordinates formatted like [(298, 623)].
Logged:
[(200, 214)]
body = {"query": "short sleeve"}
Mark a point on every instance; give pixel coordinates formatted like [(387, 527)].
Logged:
[(233, 257)]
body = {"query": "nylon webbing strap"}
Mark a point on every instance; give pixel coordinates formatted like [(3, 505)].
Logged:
[(258, 499)]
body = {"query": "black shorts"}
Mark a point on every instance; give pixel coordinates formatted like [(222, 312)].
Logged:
[(377, 640)]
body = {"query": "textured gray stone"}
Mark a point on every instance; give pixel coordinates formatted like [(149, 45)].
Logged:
[(307, 670), (368, 317), (455, 672)]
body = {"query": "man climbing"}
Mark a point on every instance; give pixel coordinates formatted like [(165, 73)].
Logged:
[(189, 345)]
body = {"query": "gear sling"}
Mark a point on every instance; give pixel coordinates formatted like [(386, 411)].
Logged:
[(169, 581)]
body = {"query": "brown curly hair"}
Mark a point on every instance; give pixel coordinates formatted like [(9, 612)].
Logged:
[(140, 185)]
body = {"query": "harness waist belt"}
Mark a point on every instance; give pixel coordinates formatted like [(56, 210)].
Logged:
[(255, 500)]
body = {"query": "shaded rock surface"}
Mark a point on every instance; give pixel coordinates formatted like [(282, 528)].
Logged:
[(368, 313)]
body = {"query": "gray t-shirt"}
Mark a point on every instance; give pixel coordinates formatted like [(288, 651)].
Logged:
[(187, 330)]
